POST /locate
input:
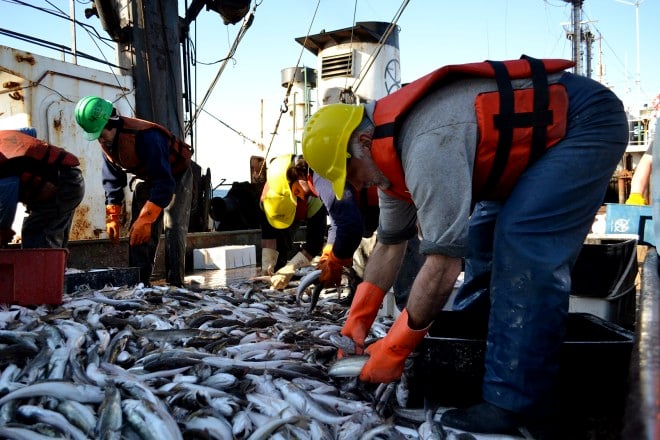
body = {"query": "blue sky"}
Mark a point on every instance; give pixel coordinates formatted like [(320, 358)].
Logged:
[(433, 33)]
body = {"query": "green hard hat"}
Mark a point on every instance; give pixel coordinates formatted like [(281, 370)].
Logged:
[(92, 113)]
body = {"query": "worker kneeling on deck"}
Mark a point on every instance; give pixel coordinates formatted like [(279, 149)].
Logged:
[(486, 162), (47, 180), (287, 202), (162, 195)]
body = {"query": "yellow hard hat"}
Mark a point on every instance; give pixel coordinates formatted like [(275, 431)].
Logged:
[(325, 141), (279, 203)]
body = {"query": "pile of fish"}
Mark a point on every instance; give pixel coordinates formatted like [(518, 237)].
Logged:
[(241, 362)]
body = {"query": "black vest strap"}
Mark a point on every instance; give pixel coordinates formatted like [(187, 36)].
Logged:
[(507, 119), (384, 131), (542, 116), (504, 123)]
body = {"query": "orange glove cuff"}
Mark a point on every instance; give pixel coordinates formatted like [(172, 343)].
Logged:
[(364, 308), (112, 212), (141, 229), (387, 356), (113, 222), (150, 212), (331, 268)]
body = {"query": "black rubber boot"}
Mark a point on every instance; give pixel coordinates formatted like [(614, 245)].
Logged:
[(483, 418)]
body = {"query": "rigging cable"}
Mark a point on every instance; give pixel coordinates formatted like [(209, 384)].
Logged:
[(93, 34), (381, 43), (285, 103), (247, 22), (227, 125)]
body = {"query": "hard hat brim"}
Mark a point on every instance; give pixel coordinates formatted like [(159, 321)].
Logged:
[(93, 136), (338, 187), (285, 209)]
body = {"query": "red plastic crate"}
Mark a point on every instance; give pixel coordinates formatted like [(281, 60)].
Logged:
[(32, 276)]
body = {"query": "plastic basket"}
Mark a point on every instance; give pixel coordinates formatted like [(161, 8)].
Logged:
[(32, 276)]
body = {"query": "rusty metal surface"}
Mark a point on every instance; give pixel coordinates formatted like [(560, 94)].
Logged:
[(42, 92)]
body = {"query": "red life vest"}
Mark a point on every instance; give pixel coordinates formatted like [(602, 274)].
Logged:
[(515, 126), (36, 163), (123, 152)]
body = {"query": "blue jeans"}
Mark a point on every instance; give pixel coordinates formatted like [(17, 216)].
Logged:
[(518, 268)]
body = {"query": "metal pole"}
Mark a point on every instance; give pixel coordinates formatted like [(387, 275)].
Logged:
[(156, 60), (72, 7), (293, 129), (639, 79), (577, 36)]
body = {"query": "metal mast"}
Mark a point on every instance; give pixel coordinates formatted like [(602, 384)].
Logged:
[(576, 34), (638, 80)]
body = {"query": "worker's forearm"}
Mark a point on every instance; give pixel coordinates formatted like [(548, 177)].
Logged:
[(383, 264), (431, 290), (640, 180)]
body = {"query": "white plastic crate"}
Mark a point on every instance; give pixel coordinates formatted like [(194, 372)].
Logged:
[(224, 257)]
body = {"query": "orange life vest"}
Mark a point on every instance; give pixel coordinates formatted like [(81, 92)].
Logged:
[(36, 163), (123, 153), (515, 126)]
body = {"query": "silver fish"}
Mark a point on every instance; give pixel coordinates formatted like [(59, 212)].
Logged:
[(18, 433), (346, 406), (305, 282), (272, 405), (140, 391), (79, 414), (350, 366), (110, 415), (306, 405), (264, 432), (241, 424), (215, 427), (59, 390), (343, 343), (52, 418), (146, 420)]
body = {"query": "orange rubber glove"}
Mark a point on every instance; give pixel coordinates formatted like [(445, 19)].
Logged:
[(141, 229), (331, 267), (364, 308), (6, 235), (113, 222), (387, 357)]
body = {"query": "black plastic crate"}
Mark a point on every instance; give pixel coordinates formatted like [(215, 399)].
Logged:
[(448, 366)]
